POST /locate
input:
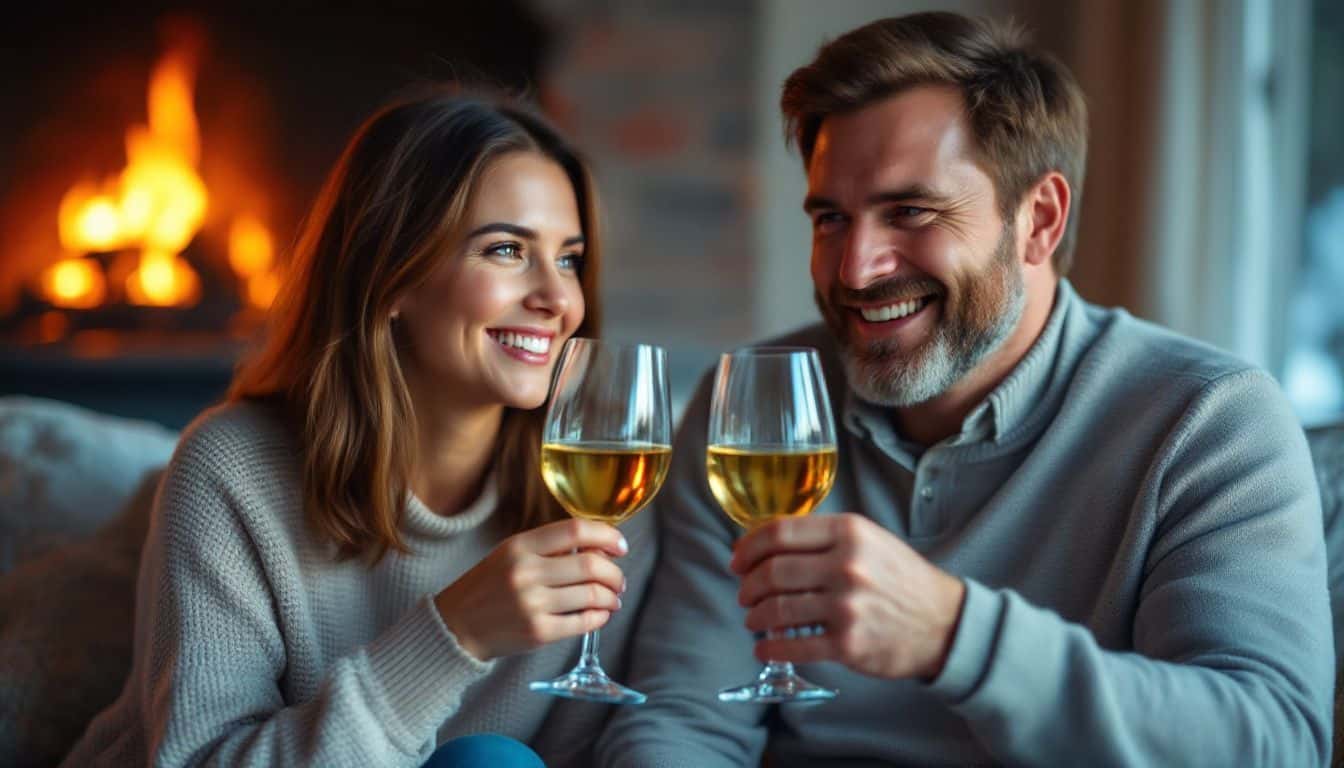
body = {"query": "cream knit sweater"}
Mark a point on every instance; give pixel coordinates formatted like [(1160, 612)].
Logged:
[(255, 646)]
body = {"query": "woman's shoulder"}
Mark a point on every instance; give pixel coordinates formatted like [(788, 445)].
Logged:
[(236, 467), (237, 444), (243, 429)]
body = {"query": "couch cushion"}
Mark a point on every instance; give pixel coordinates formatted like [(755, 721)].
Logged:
[(65, 470), (66, 627)]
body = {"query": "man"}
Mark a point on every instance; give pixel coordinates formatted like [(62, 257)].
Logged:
[(1059, 535)]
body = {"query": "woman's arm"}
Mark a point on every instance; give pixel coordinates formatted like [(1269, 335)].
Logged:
[(210, 654)]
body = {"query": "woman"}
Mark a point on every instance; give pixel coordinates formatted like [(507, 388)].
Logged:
[(355, 558)]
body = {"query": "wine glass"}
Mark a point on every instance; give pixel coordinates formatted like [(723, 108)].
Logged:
[(771, 454), (605, 451)]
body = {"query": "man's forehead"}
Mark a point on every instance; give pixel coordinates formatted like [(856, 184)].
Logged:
[(918, 136)]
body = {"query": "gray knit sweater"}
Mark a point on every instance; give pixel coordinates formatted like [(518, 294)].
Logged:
[(1136, 520), (255, 646)]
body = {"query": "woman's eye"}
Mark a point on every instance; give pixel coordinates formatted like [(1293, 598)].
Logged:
[(505, 250), (572, 262)]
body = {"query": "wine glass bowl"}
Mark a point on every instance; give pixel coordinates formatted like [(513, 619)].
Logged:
[(771, 454), (606, 447)]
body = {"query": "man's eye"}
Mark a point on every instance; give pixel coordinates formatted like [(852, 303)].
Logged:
[(905, 214), (827, 222)]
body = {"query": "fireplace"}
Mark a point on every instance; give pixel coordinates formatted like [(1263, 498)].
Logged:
[(157, 167)]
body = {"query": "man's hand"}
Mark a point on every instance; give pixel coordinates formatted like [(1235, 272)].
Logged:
[(887, 612)]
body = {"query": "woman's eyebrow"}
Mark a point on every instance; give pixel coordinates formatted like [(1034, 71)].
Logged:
[(506, 228), (523, 232)]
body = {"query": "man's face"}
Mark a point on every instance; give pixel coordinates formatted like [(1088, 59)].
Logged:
[(915, 271)]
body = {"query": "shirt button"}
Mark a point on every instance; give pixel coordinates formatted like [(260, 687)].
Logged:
[(926, 493)]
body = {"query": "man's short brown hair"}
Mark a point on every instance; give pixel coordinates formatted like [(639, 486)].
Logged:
[(1024, 108)]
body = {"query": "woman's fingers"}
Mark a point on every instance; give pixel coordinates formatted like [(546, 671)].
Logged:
[(569, 535), (572, 624), (579, 597), (581, 568)]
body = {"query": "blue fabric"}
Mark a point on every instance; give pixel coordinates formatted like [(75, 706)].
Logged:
[(486, 750)]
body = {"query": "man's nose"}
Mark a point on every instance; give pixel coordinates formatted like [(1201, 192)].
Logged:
[(867, 257)]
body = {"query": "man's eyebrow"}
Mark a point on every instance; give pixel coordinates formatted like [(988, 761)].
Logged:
[(816, 202), (921, 192)]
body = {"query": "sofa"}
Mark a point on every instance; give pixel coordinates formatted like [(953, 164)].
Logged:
[(76, 488)]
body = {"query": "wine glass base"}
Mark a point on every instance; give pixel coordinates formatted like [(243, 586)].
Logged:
[(588, 686), (777, 689)]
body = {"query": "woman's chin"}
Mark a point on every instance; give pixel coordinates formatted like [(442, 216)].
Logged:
[(528, 401)]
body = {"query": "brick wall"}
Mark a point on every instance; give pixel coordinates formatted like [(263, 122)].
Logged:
[(659, 94)]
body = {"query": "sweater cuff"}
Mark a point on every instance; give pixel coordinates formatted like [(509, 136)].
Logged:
[(419, 672), (973, 647)]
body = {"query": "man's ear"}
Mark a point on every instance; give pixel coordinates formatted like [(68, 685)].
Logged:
[(1043, 215)]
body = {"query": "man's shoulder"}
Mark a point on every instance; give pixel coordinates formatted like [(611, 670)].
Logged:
[(1131, 349)]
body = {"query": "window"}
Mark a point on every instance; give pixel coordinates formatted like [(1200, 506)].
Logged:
[(1314, 352)]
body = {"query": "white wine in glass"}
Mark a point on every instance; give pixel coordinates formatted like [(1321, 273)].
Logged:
[(771, 454), (606, 482), (605, 452)]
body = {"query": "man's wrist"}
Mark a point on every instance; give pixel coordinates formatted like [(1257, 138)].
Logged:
[(955, 601)]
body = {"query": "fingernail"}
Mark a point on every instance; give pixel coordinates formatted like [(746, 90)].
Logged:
[(618, 603), (623, 545), (623, 582)]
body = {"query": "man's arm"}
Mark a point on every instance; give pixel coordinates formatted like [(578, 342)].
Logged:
[(1232, 660), (690, 640)]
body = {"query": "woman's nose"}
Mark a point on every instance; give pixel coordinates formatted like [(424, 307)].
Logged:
[(549, 292)]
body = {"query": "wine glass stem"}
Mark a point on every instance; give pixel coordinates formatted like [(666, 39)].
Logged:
[(588, 655)]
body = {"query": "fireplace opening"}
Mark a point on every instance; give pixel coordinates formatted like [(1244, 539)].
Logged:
[(155, 168)]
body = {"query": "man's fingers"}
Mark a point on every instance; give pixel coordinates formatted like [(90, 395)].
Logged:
[(781, 612), (781, 574), (569, 535), (807, 649), (792, 534)]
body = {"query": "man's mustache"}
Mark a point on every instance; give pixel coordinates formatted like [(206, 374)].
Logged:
[(887, 291)]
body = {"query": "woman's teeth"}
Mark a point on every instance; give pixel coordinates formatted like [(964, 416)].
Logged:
[(894, 311), (538, 345)]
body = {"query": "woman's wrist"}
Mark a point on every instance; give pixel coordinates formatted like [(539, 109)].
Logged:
[(451, 620)]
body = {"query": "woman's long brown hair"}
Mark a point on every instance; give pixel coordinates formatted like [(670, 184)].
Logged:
[(390, 209)]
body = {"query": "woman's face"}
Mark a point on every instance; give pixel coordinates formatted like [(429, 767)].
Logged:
[(487, 325)]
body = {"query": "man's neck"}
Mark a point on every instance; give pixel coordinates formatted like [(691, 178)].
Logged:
[(933, 420)]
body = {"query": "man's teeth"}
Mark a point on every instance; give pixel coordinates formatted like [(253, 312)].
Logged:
[(893, 311), (539, 345)]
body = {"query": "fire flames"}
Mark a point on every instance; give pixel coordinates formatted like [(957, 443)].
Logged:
[(154, 208)]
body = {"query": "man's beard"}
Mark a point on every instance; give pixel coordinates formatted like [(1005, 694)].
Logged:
[(980, 310)]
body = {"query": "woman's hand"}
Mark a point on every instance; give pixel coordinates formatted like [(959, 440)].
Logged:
[(533, 589)]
